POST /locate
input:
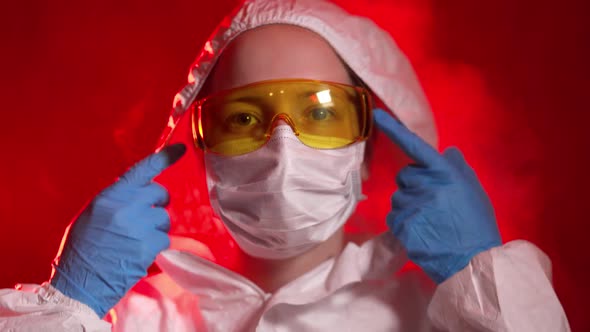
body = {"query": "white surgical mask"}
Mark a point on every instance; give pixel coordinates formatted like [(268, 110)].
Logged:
[(285, 198)]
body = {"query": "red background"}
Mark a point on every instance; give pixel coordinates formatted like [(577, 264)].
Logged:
[(86, 90)]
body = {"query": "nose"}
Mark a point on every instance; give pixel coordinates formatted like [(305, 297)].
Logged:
[(281, 122), (283, 125)]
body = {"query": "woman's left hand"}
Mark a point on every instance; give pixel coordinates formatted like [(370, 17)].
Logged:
[(440, 212)]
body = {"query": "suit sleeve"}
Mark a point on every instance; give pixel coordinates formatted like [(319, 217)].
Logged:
[(506, 288), (44, 308)]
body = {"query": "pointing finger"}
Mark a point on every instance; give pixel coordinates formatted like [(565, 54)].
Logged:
[(413, 146), (144, 171)]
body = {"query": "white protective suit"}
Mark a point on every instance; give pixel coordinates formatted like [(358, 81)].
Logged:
[(506, 288)]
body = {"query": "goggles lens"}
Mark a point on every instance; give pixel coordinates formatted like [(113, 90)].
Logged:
[(323, 115)]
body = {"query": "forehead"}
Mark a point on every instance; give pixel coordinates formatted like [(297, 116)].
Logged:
[(274, 52)]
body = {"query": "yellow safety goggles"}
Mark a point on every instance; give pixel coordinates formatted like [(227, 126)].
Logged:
[(323, 115)]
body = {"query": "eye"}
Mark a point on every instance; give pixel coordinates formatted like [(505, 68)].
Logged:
[(320, 114), (243, 119)]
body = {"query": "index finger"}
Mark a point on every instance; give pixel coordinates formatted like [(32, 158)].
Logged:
[(144, 171), (412, 145)]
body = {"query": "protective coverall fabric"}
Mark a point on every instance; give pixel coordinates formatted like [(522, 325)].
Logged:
[(506, 288)]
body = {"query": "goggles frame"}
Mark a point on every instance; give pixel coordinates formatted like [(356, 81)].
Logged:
[(366, 101)]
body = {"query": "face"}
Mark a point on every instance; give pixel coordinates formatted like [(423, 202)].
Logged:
[(269, 207), (275, 52)]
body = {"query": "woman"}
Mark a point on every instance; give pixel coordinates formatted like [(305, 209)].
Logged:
[(279, 105)]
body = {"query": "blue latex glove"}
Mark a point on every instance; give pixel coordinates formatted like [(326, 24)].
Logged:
[(440, 212), (110, 246)]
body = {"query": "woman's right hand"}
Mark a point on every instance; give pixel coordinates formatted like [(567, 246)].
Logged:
[(110, 246)]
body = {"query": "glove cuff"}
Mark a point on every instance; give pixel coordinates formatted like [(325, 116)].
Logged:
[(67, 286)]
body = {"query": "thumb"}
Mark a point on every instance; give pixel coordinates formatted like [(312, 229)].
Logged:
[(144, 171)]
